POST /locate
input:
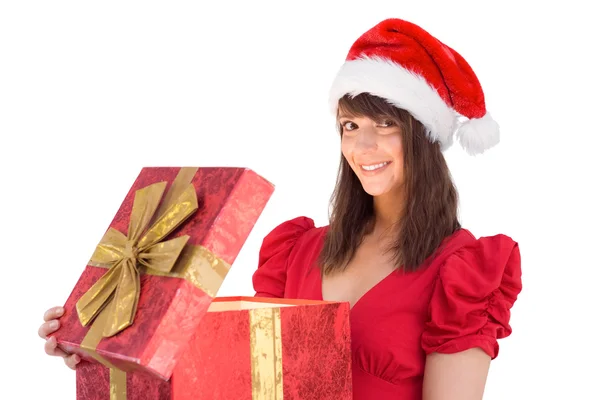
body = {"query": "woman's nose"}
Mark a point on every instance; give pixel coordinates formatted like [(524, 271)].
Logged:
[(367, 140)]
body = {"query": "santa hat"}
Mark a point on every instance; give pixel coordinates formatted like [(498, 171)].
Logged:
[(412, 70)]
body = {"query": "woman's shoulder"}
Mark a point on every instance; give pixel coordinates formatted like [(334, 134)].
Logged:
[(478, 282), (297, 236), (492, 262), (491, 249), (287, 234), (463, 242)]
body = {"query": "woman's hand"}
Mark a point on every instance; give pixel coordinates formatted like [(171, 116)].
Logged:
[(50, 326)]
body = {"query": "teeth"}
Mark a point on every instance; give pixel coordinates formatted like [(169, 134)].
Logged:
[(374, 166)]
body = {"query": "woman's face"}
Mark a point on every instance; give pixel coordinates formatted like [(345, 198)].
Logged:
[(374, 151)]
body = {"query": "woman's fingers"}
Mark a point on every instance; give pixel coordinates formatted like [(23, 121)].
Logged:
[(51, 348), (50, 326), (53, 313), (72, 360), (47, 328)]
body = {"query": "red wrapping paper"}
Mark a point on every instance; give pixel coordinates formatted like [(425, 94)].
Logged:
[(169, 310), (216, 365)]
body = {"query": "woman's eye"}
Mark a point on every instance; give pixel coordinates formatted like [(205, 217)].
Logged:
[(387, 123), (349, 126)]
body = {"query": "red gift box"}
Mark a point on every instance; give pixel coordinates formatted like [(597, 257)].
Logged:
[(250, 348), (156, 270)]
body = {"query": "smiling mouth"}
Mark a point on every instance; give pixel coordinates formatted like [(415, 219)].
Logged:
[(374, 167)]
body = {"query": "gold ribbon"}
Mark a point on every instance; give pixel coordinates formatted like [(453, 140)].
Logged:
[(118, 384), (119, 288), (110, 304), (265, 350)]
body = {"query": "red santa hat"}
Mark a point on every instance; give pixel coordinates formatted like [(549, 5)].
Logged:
[(411, 69)]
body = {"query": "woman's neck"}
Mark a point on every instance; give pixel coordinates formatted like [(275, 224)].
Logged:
[(388, 210)]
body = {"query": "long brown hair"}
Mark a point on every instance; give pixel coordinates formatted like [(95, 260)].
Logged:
[(429, 214)]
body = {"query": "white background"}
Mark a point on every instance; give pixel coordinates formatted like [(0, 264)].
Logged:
[(91, 92)]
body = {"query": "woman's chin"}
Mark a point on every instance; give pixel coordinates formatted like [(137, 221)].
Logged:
[(381, 189), (375, 191)]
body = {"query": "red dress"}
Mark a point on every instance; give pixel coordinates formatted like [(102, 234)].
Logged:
[(459, 300)]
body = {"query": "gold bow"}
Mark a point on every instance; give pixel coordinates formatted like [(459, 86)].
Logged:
[(119, 288)]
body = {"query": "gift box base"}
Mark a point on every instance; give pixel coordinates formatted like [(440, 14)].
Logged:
[(314, 363)]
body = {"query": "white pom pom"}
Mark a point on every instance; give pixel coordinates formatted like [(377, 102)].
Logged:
[(478, 135)]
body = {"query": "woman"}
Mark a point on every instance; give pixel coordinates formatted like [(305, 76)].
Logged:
[(428, 300)]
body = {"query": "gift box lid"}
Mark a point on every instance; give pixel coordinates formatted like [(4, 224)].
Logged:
[(160, 263)]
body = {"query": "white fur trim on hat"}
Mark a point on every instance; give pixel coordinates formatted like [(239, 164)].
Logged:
[(404, 89), (478, 134)]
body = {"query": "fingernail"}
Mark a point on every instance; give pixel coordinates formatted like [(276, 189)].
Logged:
[(76, 358), (54, 324), (60, 311)]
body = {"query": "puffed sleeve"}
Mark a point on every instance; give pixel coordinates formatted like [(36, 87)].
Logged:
[(472, 297), (270, 277)]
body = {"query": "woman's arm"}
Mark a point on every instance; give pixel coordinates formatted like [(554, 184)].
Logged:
[(458, 376)]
